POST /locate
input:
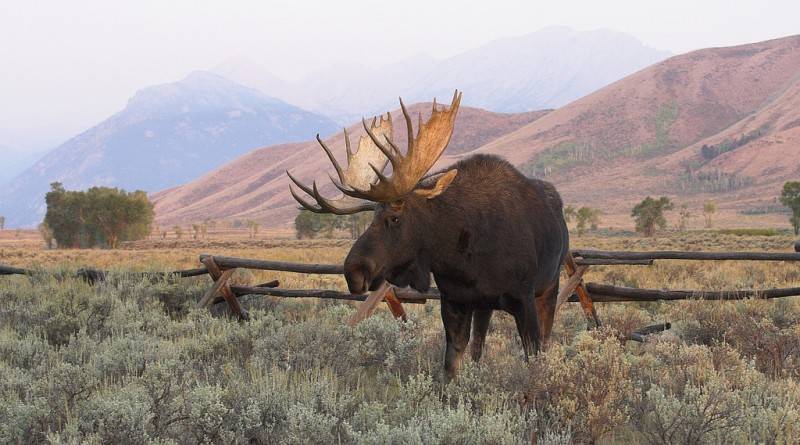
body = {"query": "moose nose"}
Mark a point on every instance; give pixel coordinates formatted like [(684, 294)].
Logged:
[(357, 280), (359, 273)]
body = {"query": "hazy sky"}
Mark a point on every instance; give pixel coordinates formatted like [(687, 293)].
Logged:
[(66, 65)]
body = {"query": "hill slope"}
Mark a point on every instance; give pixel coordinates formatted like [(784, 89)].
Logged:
[(255, 186), (641, 135), (167, 135)]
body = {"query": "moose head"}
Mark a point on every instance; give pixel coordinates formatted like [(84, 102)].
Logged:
[(389, 249)]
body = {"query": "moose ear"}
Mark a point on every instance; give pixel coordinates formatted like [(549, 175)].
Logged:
[(441, 185)]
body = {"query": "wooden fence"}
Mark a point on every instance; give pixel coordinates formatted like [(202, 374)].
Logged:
[(221, 268)]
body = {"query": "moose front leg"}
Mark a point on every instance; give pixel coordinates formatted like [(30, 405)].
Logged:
[(457, 319)]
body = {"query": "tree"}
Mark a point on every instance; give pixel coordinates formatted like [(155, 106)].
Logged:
[(569, 213), (47, 235), (685, 215), (356, 224), (65, 217), (649, 214), (587, 217), (208, 225), (115, 215), (2, 222), (304, 224), (100, 216), (709, 208), (790, 197), (311, 225), (252, 228)]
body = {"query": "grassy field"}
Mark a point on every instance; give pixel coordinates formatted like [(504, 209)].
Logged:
[(131, 361)]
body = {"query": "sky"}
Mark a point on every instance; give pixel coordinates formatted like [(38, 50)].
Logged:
[(67, 65)]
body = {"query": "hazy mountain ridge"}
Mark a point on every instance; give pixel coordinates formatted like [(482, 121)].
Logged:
[(545, 69), (166, 135), (255, 185), (15, 161)]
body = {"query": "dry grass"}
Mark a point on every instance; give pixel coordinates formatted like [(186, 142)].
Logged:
[(132, 361)]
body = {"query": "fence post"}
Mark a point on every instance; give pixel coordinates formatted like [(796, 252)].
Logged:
[(366, 308), (221, 286), (583, 295)]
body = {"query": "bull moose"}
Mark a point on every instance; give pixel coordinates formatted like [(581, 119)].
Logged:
[(492, 238)]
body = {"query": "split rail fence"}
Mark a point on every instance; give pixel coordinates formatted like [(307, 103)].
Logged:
[(221, 268)]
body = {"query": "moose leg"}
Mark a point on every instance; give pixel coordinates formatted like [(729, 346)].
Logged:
[(480, 324), (457, 319), (527, 325), (546, 310)]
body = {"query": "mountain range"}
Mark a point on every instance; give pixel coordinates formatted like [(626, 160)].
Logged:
[(255, 186), (718, 124), (541, 70), (166, 135)]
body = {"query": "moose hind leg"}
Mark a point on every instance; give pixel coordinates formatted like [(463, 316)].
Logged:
[(527, 325), (457, 319), (480, 325)]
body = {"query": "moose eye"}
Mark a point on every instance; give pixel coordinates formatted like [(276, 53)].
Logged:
[(394, 220)]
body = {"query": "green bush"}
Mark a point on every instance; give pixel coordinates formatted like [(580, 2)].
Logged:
[(116, 364)]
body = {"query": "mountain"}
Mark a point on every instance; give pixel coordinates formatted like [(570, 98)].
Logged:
[(719, 124), (255, 185), (166, 135), (545, 69), (15, 160), (645, 133)]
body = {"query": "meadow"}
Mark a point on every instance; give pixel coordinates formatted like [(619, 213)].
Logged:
[(132, 361)]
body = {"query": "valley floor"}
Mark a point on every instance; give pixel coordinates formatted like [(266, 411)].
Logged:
[(130, 361)]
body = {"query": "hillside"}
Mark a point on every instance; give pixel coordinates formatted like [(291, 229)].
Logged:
[(641, 135), (166, 135), (544, 69), (255, 186)]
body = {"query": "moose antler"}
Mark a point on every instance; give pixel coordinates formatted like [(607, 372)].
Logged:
[(423, 152), (363, 168)]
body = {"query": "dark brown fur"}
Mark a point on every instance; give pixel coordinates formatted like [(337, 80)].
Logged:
[(493, 239)]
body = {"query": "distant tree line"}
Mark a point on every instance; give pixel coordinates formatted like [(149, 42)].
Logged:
[(709, 152), (585, 218), (98, 217), (322, 225)]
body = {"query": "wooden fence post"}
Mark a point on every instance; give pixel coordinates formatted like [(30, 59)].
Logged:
[(221, 286), (395, 305), (583, 295), (366, 308)]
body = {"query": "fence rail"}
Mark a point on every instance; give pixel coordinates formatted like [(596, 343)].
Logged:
[(220, 269)]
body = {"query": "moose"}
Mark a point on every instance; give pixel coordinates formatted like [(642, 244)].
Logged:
[(492, 238)]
